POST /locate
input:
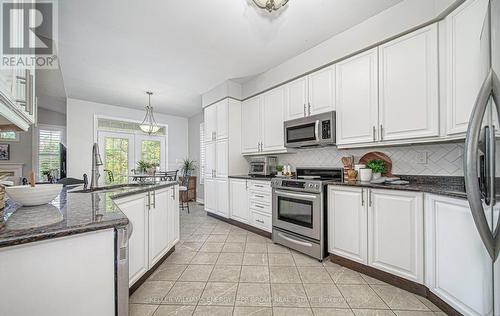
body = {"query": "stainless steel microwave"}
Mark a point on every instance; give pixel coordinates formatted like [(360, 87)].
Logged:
[(314, 130)]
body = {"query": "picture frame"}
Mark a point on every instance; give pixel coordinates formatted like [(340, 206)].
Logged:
[(4, 151)]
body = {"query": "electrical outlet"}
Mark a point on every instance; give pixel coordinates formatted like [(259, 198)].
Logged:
[(421, 157)]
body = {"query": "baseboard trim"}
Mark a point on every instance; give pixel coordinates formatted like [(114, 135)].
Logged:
[(241, 225), (396, 281), (146, 275), (201, 201)]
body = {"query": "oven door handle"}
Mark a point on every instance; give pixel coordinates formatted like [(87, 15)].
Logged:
[(316, 130), (298, 242), (307, 196)]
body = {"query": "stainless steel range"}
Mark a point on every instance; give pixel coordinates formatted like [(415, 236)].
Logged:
[(300, 210)]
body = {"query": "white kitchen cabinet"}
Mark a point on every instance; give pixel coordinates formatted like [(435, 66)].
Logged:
[(357, 99), (250, 125), (396, 233), (321, 91), (222, 197), (222, 119), (210, 122), (238, 193), (296, 105), (173, 216), (464, 76), (221, 158), (458, 267), (158, 214), (210, 199), (347, 223), (409, 89), (272, 118), (52, 277), (135, 208), (210, 159)]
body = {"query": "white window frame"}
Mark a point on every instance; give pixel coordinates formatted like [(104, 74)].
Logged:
[(36, 139), (202, 153)]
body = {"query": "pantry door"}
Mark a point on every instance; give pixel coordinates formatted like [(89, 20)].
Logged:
[(117, 154)]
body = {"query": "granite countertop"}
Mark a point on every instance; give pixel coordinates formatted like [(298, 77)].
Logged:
[(447, 186), (249, 177), (68, 214)]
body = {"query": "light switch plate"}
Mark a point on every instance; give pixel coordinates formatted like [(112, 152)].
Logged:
[(421, 157)]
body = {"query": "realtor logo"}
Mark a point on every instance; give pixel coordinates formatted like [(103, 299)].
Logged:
[(28, 34)]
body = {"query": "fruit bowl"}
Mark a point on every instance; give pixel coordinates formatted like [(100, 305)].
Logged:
[(31, 196)]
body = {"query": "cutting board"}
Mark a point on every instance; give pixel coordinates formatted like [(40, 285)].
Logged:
[(379, 156)]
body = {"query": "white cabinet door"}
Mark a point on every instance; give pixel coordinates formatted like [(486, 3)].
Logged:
[(239, 200), (210, 195), (464, 76), (396, 233), (347, 223), (222, 119), (296, 101), (173, 216), (159, 225), (408, 79), (210, 159), (321, 91), (221, 160), (250, 122), (222, 197), (458, 267), (357, 99), (272, 120), (210, 121), (134, 208)]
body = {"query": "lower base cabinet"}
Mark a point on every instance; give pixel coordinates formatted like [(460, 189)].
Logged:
[(379, 228), (155, 223), (217, 196), (458, 267), (239, 200)]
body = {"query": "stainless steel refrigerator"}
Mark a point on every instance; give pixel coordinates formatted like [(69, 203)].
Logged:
[(482, 152)]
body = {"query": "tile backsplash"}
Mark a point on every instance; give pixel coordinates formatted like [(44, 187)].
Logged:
[(440, 159)]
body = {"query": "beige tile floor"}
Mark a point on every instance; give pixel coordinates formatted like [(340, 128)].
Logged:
[(221, 269)]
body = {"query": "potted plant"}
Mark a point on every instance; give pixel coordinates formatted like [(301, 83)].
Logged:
[(279, 170), (378, 167), (188, 166), (143, 166)]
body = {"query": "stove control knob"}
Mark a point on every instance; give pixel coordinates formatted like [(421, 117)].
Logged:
[(316, 186)]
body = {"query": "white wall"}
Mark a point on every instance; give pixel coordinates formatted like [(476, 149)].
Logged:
[(391, 22), (80, 133), (226, 89)]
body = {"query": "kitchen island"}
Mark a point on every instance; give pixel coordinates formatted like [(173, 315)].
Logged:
[(84, 240)]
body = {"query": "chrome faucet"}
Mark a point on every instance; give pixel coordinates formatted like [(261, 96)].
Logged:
[(96, 162)]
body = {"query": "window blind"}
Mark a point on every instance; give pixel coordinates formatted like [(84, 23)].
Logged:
[(202, 153), (48, 152)]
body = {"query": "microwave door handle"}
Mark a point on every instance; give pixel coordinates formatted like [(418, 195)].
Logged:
[(316, 130)]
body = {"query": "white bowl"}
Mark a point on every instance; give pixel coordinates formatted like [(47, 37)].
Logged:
[(30, 196)]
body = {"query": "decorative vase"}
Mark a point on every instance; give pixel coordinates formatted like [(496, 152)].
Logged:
[(365, 174), (376, 175), (279, 173), (351, 175)]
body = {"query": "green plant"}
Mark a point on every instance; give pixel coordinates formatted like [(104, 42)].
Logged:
[(377, 166), (188, 166), (279, 168), (143, 165)]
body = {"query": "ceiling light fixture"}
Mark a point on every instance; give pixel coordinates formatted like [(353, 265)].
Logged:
[(149, 125), (270, 5)]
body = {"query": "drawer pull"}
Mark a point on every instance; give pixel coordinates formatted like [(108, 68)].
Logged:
[(260, 221), (259, 206), (259, 186), (259, 196)]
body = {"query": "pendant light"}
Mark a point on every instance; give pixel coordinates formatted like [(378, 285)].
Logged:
[(270, 5), (149, 125)]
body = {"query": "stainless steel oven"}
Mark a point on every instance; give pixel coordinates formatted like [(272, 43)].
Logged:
[(299, 212), (314, 130)]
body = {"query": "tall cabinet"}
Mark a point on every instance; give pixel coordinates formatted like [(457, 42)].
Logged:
[(222, 152)]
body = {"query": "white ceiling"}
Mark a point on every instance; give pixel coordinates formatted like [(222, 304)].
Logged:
[(113, 51)]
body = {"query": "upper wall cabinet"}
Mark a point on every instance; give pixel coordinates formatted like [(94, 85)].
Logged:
[(312, 94), (262, 123), (409, 89), (357, 99), (464, 63), (216, 121), (17, 98)]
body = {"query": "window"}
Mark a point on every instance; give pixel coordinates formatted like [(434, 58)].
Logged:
[(202, 153), (9, 136), (48, 149), (150, 151), (116, 161)]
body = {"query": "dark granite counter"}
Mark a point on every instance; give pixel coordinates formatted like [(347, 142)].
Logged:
[(68, 214), (447, 186), (248, 177)]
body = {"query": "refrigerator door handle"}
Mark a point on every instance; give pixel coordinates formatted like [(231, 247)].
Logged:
[(495, 93), (490, 241)]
